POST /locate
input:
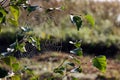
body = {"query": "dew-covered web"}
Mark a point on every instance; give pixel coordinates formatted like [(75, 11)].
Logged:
[(54, 42), (47, 45), (51, 45)]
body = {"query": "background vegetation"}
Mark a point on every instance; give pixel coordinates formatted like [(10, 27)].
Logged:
[(104, 38)]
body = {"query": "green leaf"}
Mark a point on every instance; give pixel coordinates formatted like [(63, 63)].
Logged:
[(29, 71), (49, 10), (34, 78), (3, 73), (2, 15), (59, 70), (78, 69), (3, 11), (77, 44), (73, 78), (25, 29), (90, 19), (15, 66), (2, 19), (20, 47), (0, 28), (35, 41), (71, 64), (31, 8), (15, 11), (19, 2), (38, 44), (77, 51), (9, 60), (78, 22), (13, 22), (16, 77), (62, 7), (100, 63)]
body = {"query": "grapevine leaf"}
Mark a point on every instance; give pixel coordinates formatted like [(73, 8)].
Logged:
[(36, 41), (77, 51), (31, 8), (78, 69), (0, 28), (9, 60), (21, 2), (15, 12), (20, 47), (59, 70), (34, 78), (78, 21), (15, 66), (16, 77), (90, 19), (71, 64), (2, 15), (71, 42), (2, 19), (77, 44), (74, 78), (29, 71), (13, 21), (49, 10), (3, 11), (25, 29), (100, 63), (62, 8)]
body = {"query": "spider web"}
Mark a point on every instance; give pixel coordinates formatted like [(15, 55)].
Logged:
[(51, 45)]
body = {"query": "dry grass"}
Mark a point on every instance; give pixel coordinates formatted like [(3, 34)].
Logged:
[(57, 24), (45, 63)]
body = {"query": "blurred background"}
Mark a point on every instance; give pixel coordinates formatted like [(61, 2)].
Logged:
[(102, 39)]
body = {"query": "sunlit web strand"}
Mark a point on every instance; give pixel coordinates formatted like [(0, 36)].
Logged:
[(51, 45)]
